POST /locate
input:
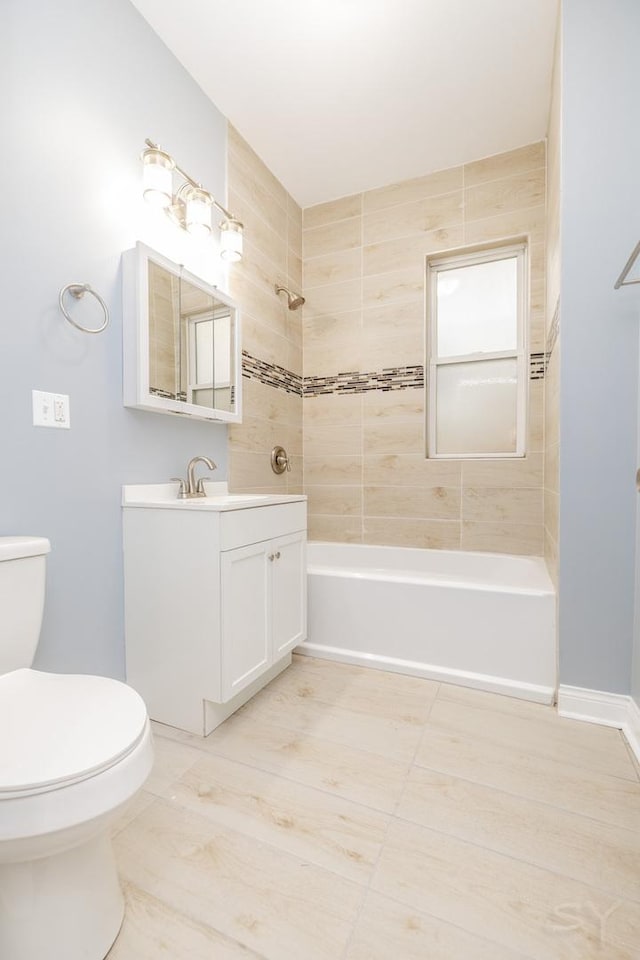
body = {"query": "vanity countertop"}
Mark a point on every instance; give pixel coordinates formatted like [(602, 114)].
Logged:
[(164, 496)]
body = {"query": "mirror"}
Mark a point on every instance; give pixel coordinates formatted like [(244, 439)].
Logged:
[(181, 341)]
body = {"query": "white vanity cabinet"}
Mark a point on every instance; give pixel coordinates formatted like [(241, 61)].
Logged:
[(215, 601), (263, 607)]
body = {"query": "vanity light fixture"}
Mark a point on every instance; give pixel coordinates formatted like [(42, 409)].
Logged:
[(190, 206)]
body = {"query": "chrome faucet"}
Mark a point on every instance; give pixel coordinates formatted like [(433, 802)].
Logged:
[(190, 488)]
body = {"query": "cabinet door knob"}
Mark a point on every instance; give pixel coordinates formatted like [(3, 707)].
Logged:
[(278, 555), (271, 557)]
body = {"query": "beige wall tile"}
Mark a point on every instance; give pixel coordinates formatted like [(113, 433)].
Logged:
[(335, 529), (257, 435), (431, 185), (505, 164), (252, 469), (294, 358), (240, 149), (389, 255), (516, 538), (341, 469), (294, 209), (519, 472), (552, 514), (332, 344), (393, 406), (399, 532), (436, 503), (529, 222), (345, 409), (342, 235), (410, 470), (394, 438), (258, 267), (269, 403), (536, 416), (264, 342), (392, 352), (552, 466), (421, 216), (262, 236), (325, 440), (333, 298), (332, 268), (507, 504), (257, 302), (394, 318), (323, 213), (254, 191), (504, 196), (294, 271), (294, 236), (334, 500), (407, 284)]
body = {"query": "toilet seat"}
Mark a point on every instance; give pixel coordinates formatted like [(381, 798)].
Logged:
[(61, 729)]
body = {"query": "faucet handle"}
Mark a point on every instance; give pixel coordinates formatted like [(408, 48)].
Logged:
[(200, 490), (182, 492)]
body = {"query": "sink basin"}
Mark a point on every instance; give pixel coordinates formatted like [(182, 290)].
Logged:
[(165, 496)]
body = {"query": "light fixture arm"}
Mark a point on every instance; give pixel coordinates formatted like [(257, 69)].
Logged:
[(193, 183)]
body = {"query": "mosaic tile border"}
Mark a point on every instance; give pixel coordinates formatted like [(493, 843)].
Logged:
[(352, 381), (387, 379), (271, 374)]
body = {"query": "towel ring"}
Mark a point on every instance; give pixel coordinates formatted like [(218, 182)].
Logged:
[(78, 291)]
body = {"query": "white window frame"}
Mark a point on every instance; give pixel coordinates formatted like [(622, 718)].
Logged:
[(439, 264)]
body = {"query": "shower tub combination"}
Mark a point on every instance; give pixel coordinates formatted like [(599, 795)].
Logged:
[(475, 619)]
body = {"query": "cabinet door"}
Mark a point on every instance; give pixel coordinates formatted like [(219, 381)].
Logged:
[(288, 592), (246, 614)]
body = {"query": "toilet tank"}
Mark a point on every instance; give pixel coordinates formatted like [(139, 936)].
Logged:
[(22, 579)]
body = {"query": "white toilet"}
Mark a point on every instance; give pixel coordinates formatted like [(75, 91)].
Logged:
[(74, 750)]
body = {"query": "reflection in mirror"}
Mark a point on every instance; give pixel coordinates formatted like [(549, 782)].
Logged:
[(181, 341), (191, 342)]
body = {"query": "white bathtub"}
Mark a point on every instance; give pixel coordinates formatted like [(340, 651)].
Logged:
[(476, 619)]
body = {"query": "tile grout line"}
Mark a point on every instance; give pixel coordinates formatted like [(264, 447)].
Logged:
[(431, 196), (392, 817)]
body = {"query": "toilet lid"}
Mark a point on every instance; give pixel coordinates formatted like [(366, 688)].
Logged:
[(58, 728)]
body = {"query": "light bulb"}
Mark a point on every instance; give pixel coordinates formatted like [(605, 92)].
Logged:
[(231, 240), (157, 180), (198, 212)]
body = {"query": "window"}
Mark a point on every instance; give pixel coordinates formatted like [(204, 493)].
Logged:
[(476, 353)]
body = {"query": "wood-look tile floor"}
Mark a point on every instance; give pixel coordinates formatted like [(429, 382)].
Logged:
[(350, 814)]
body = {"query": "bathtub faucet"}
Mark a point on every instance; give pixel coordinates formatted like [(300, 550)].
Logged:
[(190, 488)]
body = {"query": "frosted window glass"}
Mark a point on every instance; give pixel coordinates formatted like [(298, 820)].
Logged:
[(204, 351), (476, 406), (477, 308)]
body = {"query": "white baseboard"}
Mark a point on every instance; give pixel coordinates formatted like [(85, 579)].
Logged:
[(608, 709), (462, 678)]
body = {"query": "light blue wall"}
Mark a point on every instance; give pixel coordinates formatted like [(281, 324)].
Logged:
[(86, 83), (599, 372)]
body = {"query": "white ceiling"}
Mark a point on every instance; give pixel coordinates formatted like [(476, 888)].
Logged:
[(339, 96)]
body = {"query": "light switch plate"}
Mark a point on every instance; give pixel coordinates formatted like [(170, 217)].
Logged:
[(51, 410)]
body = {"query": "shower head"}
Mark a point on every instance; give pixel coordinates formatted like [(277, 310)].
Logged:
[(294, 300)]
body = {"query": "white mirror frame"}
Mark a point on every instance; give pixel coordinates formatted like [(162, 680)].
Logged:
[(135, 338)]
